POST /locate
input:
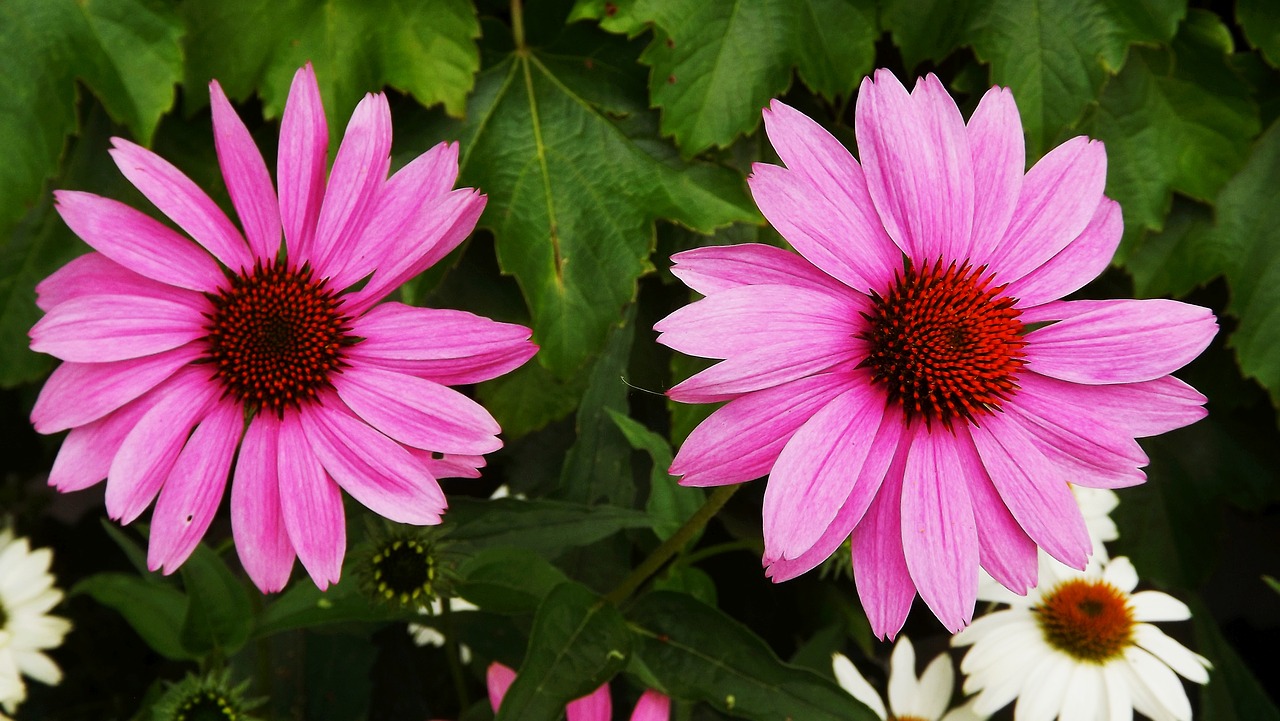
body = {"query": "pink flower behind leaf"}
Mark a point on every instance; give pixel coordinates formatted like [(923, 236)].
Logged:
[(595, 706), (185, 359), (910, 378)]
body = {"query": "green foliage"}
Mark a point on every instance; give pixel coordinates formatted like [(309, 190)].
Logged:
[(508, 580), (154, 610), (219, 613), (578, 642), (697, 652)]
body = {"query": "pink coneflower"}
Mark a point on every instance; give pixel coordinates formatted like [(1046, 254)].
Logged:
[(911, 378), (595, 706), (178, 353)]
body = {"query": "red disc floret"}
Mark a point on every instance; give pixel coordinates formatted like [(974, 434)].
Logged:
[(276, 336), (1091, 621), (944, 343)]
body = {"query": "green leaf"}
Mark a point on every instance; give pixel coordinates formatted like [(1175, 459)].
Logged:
[(572, 201), (136, 554), (1249, 228), (507, 580), (154, 610), (1174, 120), (1233, 692), (548, 528), (530, 397), (126, 51), (927, 29), (578, 642), (1179, 258), (1056, 54), (426, 50), (219, 613), (669, 504), (700, 654), (305, 606), (1261, 25), (597, 469), (1273, 583), (834, 44)]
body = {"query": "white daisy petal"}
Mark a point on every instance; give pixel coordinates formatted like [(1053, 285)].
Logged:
[(1119, 700), (936, 686), (1085, 699), (27, 595), (1161, 681), (1042, 695), (1121, 574), (856, 685), (1190, 665), (903, 686), (1157, 606)]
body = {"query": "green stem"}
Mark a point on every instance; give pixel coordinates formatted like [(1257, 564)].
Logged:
[(517, 24), (726, 547), (452, 654), (672, 545)]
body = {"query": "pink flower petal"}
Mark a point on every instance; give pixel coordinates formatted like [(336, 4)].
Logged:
[(179, 198), (939, 536), (78, 393), (88, 450), (415, 186), (374, 469), (1075, 265), (835, 179), (879, 565), (999, 161), (257, 519), (720, 267), (95, 274), (742, 440), (1004, 549), (1060, 195), (248, 181), (310, 504), (819, 467), (498, 678), (765, 368), (652, 706), (744, 319), (427, 237), (596, 706), (450, 347), (150, 450), (857, 254), (1119, 341), (104, 328), (915, 151), (193, 490), (358, 174), (138, 242), (448, 465), (1033, 489), (1142, 409), (418, 412), (300, 165), (883, 450)]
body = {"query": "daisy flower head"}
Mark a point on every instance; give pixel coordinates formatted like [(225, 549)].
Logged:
[(926, 698), (1081, 645), (185, 353), (910, 378), (27, 630), (595, 706)]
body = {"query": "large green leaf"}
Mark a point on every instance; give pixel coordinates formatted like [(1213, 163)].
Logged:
[(669, 504), (305, 606), (219, 613), (1175, 119), (1180, 257), (714, 65), (425, 49), (1249, 225), (1233, 692), (126, 51), (699, 654), (1261, 25), (154, 609), (507, 580), (578, 642), (1054, 54), (545, 527), (573, 198)]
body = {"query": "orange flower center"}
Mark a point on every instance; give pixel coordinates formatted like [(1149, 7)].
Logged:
[(943, 343), (1090, 621), (276, 336)]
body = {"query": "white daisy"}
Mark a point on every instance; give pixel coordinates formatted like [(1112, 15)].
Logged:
[(1079, 647), (911, 699), (1096, 505), (26, 629), (425, 635)]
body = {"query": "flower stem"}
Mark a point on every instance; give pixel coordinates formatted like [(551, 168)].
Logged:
[(672, 545), (517, 24)]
